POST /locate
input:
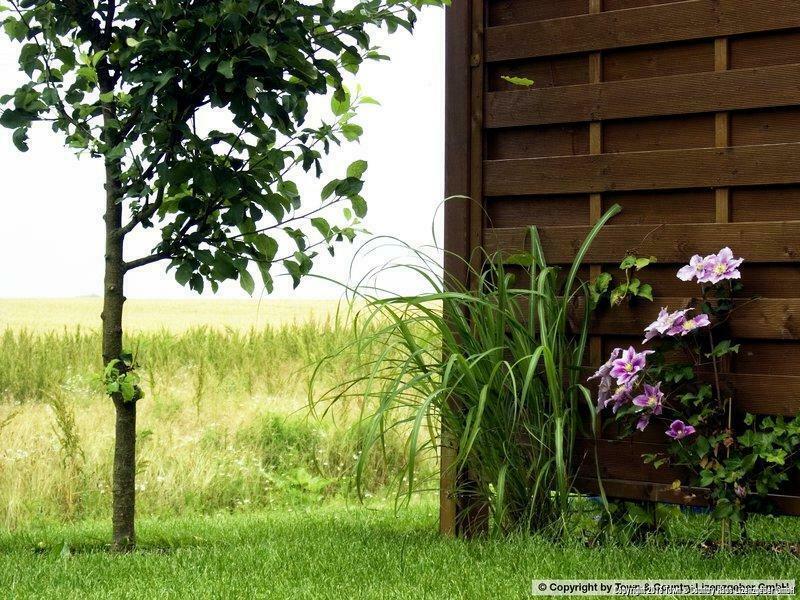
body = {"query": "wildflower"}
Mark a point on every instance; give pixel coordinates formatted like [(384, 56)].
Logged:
[(697, 267), (684, 326), (723, 266), (643, 422), (651, 398), (604, 390), (625, 368), (621, 395), (679, 430), (605, 369), (664, 323), (739, 490)]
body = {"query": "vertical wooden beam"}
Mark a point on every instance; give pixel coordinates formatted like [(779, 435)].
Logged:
[(722, 131), (477, 138), (473, 517), (457, 212), (595, 200)]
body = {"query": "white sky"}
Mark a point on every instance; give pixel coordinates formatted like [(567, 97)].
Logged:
[(51, 203)]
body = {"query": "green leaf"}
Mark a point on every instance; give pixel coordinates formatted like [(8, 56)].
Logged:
[(520, 81), (645, 291), (184, 273), (20, 139), (352, 132), (357, 169), (246, 281), (340, 102), (16, 118), (225, 69), (359, 206)]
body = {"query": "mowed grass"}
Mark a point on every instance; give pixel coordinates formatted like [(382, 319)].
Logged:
[(44, 315), (337, 551)]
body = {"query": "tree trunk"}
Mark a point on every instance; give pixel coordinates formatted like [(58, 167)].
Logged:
[(124, 485)]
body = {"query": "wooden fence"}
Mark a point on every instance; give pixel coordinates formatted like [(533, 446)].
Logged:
[(687, 114)]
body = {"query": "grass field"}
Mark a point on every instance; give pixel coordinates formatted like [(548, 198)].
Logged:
[(337, 551), (224, 423), (43, 315), (242, 493)]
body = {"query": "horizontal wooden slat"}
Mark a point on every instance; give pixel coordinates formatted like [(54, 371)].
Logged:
[(752, 393), (766, 394), (623, 460), (763, 318), (679, 94), (657, 492), (654, 170), (694, 19), (768, 242)]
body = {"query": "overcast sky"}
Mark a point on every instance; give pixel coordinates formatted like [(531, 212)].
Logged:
[(51, 231)]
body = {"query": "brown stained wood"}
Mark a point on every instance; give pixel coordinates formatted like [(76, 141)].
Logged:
[(554, 71), (622, 4), (622, 459), (766, 394), (457, 213), (768, 357), (477, 139), (765, 126), (765, 49), (657, 492), (668, 169), (529, 142), (764, 318), (674, 95), (648, 491), (507, 12), (765, 204), (693, 19), (548, 210), (684, 206), (759, 242), (658, 61), (658, 133)]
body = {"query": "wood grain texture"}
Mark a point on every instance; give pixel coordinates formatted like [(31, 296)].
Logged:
[(759, 242), (667, 169), (674, 95), (693, 19), (762, 318)]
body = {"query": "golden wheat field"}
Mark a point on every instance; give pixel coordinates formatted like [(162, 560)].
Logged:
[(224, 424), (174, 315)]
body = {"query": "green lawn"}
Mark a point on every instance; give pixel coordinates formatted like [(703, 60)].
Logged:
[(338, 551)]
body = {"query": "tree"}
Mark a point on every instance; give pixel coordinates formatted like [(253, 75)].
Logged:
[(131, 81)]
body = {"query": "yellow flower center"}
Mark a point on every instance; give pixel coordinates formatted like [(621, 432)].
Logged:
[(629, 367), (652, 400), (720, 269), (689, 325)]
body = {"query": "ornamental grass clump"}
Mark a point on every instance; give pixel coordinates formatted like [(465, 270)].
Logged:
[(493, 372)]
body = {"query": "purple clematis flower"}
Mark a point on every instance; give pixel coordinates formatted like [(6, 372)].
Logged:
[(739, 490), (626, 367), (605, 369), (697, 267), (722, 266), (643, 422), (664, 323), (621, 396), (604, 389), (651, 398), (679, 430), (683, 326)]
